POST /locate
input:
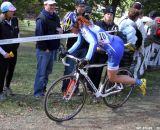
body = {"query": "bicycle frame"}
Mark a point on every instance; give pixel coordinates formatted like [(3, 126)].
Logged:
[(98, 92)]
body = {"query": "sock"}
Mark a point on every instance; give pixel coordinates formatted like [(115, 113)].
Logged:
[(138, 82)]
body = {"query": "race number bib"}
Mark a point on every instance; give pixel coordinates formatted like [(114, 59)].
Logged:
[(103, 38)]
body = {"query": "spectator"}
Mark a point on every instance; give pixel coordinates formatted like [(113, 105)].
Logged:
[(139, 22), (129, 28), (8, 29), (100, 56), (151, 26), (46, 24), (81, 52), (158, 27)]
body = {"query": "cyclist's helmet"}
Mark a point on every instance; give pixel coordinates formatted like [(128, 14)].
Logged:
[(69, 19), (7, 6), (78, 2)]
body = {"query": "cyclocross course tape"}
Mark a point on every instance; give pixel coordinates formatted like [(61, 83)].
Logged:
[(36, 38), (39, 38)]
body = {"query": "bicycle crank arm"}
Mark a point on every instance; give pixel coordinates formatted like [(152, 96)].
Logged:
[(110, 93)]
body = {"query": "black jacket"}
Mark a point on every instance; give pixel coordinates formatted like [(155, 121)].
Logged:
[(47, 24), (107, 27), (9, 31)]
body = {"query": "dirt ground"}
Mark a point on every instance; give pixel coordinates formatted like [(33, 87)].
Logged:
[(140, 113)]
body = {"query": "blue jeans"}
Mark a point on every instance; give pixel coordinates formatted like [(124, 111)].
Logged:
[(44, 68), (81, 53)]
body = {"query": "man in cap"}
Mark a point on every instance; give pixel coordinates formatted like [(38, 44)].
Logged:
[(8, 53), (47, 23), (81, 52), (139, 22)]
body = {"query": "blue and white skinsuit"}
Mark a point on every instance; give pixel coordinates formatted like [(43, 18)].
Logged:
[(97, 37)]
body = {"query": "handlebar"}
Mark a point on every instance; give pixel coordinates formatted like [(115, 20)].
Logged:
[(78, 59), (71, 57)]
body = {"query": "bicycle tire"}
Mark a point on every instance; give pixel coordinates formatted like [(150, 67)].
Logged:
[(118, 99), (59, 109)]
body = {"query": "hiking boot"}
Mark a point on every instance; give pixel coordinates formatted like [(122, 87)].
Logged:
[(2, 96), (8, 91), (143, 87)]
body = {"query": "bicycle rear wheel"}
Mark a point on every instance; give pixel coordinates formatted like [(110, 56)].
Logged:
[(118, 99), (57, 105)]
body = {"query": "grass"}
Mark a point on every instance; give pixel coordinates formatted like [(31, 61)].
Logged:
[(23, 79)]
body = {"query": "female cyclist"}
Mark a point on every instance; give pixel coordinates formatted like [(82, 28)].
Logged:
[(98, 38)]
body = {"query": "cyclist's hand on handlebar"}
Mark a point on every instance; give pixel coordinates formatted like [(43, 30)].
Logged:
[(83, 62), (63, 54)]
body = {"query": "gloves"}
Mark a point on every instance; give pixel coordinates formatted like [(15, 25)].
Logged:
[(63, 54), (129, 46), (11, 54), (82, 63)]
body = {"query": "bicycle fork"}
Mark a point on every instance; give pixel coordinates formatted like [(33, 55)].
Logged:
[(70, 88)]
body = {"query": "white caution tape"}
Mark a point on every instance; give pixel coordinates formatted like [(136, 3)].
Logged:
[(38, 38)]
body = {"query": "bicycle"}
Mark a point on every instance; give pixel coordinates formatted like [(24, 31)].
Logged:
[(64, 105)]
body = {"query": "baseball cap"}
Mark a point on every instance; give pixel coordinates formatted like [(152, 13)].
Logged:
[(137, 5), (108, 9), (79, 2), (7, 6), (50, 2)]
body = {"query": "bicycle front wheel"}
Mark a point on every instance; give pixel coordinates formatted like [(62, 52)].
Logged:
[(60, 105), (118, 99)]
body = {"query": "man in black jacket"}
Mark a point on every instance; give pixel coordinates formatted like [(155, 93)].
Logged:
[(8, 29), (100, 57), (47, 23), (81, 52)]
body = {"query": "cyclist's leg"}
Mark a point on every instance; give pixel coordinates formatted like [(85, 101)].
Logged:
[(113, 66), (125, 79)]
